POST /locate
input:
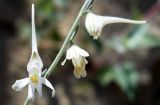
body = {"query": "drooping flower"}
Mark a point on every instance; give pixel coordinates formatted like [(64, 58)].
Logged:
[(95, 23), (34, 68), (78, 57)]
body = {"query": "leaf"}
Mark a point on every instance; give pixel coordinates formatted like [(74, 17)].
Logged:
[(117, 43), (120, 77), (137, 37), (105, 76), (126, 77)]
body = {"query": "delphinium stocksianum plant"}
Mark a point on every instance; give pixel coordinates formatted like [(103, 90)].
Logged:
[(94, 25)]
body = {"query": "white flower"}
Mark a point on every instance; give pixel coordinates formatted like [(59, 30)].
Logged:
[(34, 68), (77, 55), (95, 23)]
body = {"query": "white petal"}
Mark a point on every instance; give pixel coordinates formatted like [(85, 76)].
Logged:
[(80, 51), (48, 84), (31, 92), (83, 53), (70, 53), (74, 52), (39, 87), (20, 84), (89, 22), (63, 62), (35, 63), (93, 25)]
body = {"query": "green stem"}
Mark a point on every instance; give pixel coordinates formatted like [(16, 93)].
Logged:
[(66, 42), (27, 102)]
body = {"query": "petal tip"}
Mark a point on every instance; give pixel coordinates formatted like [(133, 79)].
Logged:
[(62, 64), (53, 93), (142, 22), (14, 87)]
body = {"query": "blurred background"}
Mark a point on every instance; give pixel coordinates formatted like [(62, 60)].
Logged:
[(124, 64)]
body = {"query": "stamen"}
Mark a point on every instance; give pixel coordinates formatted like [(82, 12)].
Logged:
[(34, 78)]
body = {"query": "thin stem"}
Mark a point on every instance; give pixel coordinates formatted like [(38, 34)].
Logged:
[(27, 102), (66, 42)]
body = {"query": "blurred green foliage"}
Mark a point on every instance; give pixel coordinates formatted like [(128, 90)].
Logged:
[(138, 38), (124, 75)]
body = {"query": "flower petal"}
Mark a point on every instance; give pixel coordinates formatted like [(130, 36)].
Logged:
[(79, 67), (79, 72), (48, 84), (74, 52), (70, 53), (35, 64), (39, 87), (20, 84), (31, 92), (63, 62), (93, 25), (80, 51), (83, 53)]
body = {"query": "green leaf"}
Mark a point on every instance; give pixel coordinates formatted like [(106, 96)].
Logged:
[(105, 76), (117, 43), (132, 74), (137, 37), (120, 77), (126, 77)]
